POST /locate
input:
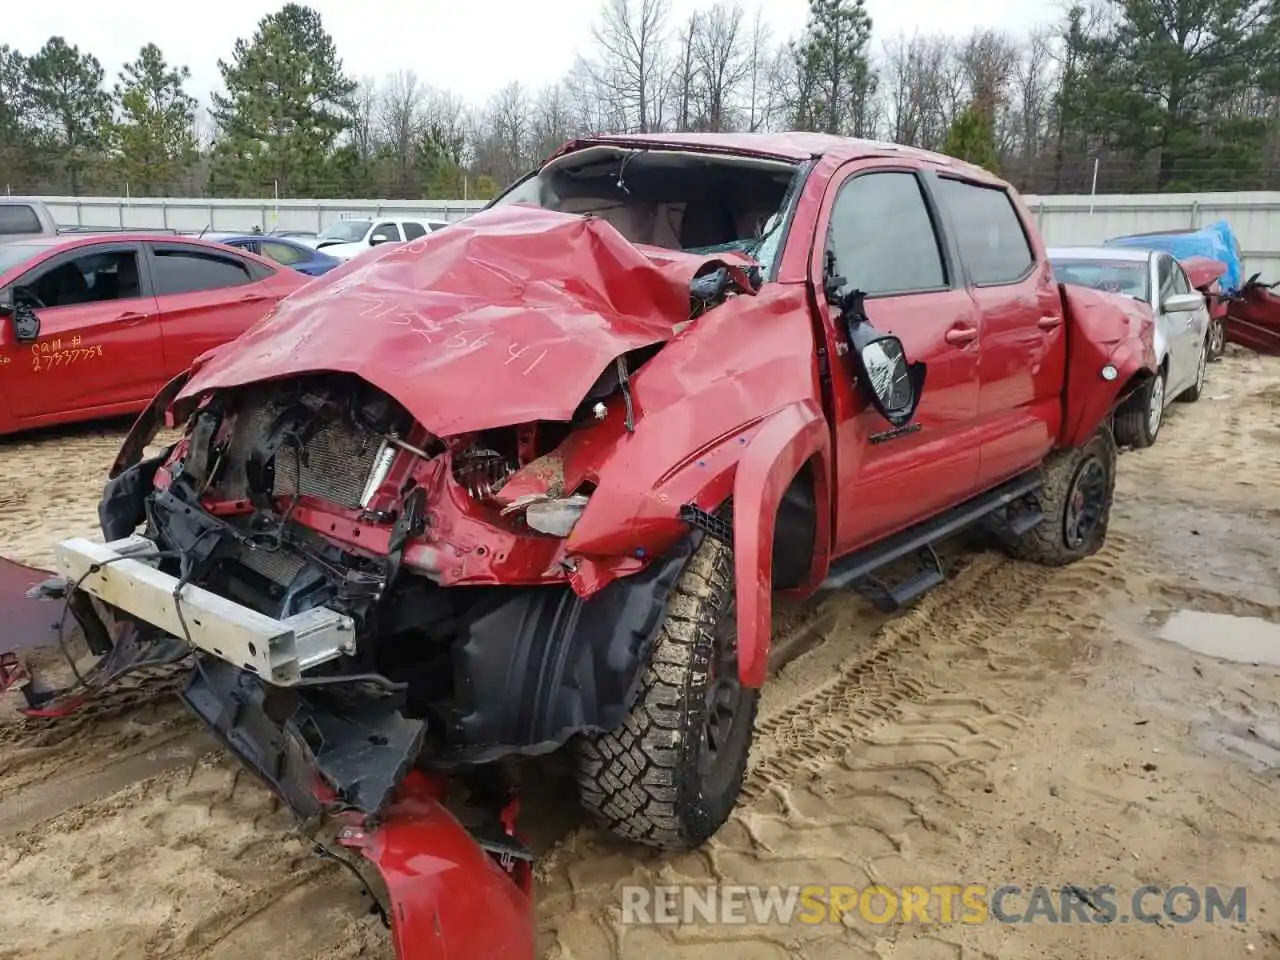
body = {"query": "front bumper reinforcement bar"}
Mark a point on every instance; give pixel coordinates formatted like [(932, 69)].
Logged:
[(124, 574)]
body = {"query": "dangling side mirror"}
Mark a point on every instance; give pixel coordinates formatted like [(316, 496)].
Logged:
[(893, 383)]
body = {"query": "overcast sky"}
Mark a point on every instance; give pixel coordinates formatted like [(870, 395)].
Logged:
[(473, 48)]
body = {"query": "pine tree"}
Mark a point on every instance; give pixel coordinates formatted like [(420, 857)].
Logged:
[(834, 79), (287, 102), (971, 138), (153, 141)]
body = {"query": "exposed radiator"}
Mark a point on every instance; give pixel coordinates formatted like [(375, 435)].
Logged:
[(335, 465), (279, 566)]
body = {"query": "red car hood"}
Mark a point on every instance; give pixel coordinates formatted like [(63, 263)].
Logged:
[(506, 317)]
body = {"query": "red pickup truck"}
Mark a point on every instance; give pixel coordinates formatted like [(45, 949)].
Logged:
[(530, 482)]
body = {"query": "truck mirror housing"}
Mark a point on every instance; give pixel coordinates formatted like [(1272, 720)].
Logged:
[(893, 384)]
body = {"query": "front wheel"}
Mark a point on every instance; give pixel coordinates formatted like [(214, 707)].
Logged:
[(1137, 422), (1217, 338), (671, 773), (1075, 498)]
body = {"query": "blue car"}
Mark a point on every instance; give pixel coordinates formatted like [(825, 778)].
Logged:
[(288, 253)]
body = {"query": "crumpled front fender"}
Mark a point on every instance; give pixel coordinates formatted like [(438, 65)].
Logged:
[(448, 898), (790, 438), (1103, 330)]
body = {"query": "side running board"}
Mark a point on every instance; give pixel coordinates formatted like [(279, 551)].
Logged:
[(858, 569)]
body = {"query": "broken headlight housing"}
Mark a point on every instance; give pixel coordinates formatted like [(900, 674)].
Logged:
[(554, 516)]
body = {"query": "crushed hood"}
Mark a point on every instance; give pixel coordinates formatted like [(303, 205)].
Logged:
[(506, 317)]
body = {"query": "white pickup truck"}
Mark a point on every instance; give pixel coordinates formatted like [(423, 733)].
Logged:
[(345, 239), (22, 219)]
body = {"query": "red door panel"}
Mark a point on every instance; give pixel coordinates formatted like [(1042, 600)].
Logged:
[(881, 230), (1023, 362), (99, 344), (884, 486), (206, 298)]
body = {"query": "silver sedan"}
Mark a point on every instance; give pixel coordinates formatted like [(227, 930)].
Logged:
[(1182, 325)]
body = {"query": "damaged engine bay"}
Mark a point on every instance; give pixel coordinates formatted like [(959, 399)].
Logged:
[(453, 637)]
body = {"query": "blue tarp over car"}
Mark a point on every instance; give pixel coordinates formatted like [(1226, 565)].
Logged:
[(1215, 241)]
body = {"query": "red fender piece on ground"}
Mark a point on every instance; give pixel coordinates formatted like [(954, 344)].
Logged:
[(449, 898), (24, 622)]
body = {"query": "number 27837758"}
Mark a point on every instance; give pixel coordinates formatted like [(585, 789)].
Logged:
[(44, 362)]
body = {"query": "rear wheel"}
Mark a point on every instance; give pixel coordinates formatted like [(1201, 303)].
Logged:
[(1137, 422), (1075, 498), (671, 773)]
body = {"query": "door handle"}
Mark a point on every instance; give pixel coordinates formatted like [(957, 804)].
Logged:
[(959, 336), (252, 298), (1049, 322), (130, 316)]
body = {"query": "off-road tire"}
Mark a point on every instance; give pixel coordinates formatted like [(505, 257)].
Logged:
[(643, 780), (1048, 543), (1132, 424)]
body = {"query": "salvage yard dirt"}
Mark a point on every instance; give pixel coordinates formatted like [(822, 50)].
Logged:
[(1019, 725)]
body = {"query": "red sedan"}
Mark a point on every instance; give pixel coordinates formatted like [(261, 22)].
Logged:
[(93, 325)]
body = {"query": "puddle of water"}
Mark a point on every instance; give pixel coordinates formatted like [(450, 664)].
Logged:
[(1242, 639)]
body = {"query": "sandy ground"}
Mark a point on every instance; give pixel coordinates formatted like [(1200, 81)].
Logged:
[(1019, 725)]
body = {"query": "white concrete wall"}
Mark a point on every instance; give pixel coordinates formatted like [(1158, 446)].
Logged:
[(1255, 217)]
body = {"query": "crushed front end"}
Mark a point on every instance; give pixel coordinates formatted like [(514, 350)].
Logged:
[(365, 547)]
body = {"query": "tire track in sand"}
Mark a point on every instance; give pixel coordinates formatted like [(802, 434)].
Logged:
[(181, 862), (987, 604)]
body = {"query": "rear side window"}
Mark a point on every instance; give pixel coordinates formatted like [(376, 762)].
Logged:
[(988, 231), (281, 252), (18, 218), (882, 236), (412, 231), (190, 271)]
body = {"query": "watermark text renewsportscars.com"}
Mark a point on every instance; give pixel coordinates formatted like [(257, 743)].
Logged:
[(933, 904)]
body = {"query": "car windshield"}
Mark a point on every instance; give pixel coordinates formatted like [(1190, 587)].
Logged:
[(697, 202), (1131, 277), (15, 254), (348, 231)]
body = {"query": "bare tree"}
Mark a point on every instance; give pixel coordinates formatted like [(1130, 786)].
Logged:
[(1034, 82), (722, 63), (364, 119), (762, 76), (399, 124), (446, 120), (591, 100), (687, 79), (989, 62), (504, 135), (552, 123), (630, 69), (918, 74)]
